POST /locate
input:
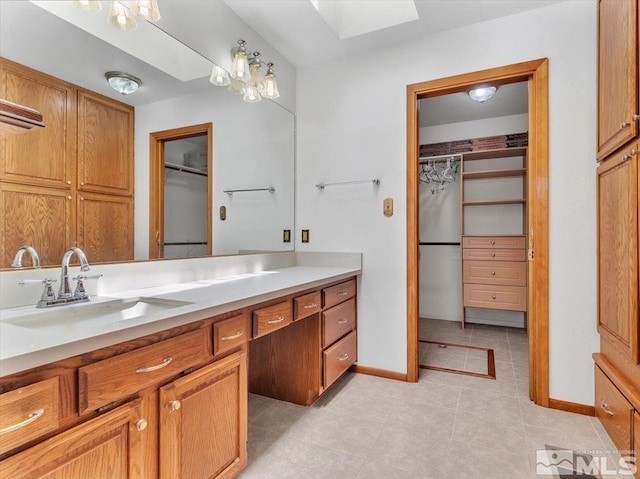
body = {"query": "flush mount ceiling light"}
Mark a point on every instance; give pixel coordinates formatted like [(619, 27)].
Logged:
[(246, 77), (123, 82), (483, 94)]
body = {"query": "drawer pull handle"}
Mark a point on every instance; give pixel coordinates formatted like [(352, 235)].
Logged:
[(344, 357), (233, 336), (493, 273), (342, 321), (165, 363), (32, 417), (606, 409), (276, 321), (309, 306), (493, 296), (344, 292)]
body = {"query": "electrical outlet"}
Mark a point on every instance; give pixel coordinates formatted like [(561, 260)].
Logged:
[(223, 213), (286, 236), (305, 236), (387, 207)]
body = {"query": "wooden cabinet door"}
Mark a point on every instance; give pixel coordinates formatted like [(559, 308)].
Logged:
[(203, 422), (108, 446), (105, 227), (105, 145), (45, 157), (40, 217), (617, 184), (617, 74)]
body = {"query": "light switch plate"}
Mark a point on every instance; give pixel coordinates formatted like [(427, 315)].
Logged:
[(387, 207)]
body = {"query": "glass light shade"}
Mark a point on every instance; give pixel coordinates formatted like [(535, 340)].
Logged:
[(482, 94), (256, 75), (123, 82), (236, 87), (240, 66), (270, 84), (147, 9), (252, 94), (219, 76), (87, 5), (120, 17)]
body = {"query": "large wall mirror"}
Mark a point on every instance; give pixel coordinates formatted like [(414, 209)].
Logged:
[(253, 144)]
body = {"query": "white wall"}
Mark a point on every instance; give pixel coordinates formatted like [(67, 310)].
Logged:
[(351, 124)]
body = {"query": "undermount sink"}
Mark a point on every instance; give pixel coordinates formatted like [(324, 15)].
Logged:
[(91, 314)]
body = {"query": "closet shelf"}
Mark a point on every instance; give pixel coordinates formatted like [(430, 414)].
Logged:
[(185, 169), (471, 175), (514, 201), (491, 154)]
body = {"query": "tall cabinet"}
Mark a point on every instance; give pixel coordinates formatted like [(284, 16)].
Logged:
[(71, 182), (617, 365)]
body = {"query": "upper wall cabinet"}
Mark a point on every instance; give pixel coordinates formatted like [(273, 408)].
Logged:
[(617, 74)]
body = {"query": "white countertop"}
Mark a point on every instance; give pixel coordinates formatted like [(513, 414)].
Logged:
[(23, 347)]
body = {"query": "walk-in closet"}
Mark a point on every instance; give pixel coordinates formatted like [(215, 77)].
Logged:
[(473, 234)]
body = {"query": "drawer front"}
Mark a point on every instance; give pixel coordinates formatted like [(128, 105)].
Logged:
[(491, 254), (510, 298), (231, 333), (306, 305), (512, 273), (614, 411), (269, 319), (338, 321), (339, 357), (115, 378), (338, 293), (504, 242), (636, 439), (28, 413)]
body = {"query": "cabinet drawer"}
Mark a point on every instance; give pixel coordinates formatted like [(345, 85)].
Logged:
[(306, 305), (339, 357), (505, 242), (269, 319), (614, 411), (510, 298), (513, 273), (491, 254), (115, 378), (28, 413), (338, 321), (338, 293), (231, 333)]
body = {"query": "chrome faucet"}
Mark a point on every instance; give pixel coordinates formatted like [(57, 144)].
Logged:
[(17, 260), (65, 290)]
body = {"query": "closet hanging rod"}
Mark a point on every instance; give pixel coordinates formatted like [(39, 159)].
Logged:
[(439, 243), (438, 158), (270, 189), (321, 186), (186, 243)]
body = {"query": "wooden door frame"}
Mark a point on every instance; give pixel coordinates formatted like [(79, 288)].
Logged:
[(536, 73), (156, 181)]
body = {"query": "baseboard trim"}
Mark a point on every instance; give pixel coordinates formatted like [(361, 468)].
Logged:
[(572, 407), (381, 373)]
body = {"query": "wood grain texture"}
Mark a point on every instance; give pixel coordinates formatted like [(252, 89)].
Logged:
[(381, 373), (306, 305), (584, 409), (492, 242), (231, 333), (511, 273), (494, 254), (628, 385), (614, 411), (509, 298), (636, 439), (617, 90), (338, 293), (338, 321), (272, 318), (338, 358)]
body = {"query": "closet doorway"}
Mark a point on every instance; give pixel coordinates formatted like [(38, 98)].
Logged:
[(180, 177), (535, 223)]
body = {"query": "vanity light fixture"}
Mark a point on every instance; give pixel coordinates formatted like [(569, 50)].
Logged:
[(483, 94), (120, 17), (147, 9), (88, 5), (121, 13), (123, 82)]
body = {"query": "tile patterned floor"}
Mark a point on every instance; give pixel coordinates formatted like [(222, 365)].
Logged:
[(444, 426)]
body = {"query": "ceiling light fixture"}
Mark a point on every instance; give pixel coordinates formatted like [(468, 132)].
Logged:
[(246, 77), (121, 13), (483, 94), (123, 83), (87, 5), (120, 17)]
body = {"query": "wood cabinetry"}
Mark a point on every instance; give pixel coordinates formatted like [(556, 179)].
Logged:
[(617, 75), (84, 155), (16, 118)]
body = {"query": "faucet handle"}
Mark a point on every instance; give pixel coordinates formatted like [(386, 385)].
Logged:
[(80, 291), (48, 293)]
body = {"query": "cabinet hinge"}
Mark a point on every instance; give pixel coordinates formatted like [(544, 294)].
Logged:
[(106, 407)]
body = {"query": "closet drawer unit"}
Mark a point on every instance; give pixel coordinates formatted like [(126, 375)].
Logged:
[(338, 293), (503, 242), (491, 254), (231, 333), (338, 321), (510, 298), (269, 319), (614, 411), (339, 357), (304, 306), (116, 378), (495, 272), (28, 413)]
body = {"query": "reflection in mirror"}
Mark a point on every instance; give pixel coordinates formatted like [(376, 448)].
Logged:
[(252, 144)]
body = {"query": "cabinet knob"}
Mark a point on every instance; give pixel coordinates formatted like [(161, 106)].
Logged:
[(632, 152), (68, 182), (623, 125), (68, 197), (493, 296), (175, 405), (82, 183), (141, 425), (493, 273), (493, 255), (493, 241), (635, 117)]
